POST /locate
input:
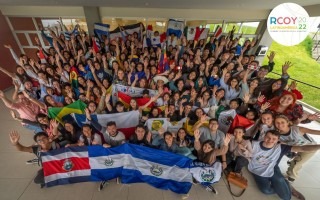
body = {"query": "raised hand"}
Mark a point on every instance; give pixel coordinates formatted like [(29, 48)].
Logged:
[(227, 139), (197, 135), (14, 137), (8, 46), (104, 91), (16, 84), (54, 123), (293, 85), (286, 66), (271, 56), (87, 112), (265, 106), (314, 116), (246, 97)]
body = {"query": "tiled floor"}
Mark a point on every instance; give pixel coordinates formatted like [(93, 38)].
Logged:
[(16, 178)]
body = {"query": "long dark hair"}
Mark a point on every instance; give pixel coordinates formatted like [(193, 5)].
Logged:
[(205, 157), (85, 139)]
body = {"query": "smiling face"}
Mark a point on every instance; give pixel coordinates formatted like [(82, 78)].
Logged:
[(169, 140), (270, 140), (68, 127), (86, 131), (282, 124), (238, 133), (207, 148), (133, 103), (276, 85), (254, 83), (140, 132), (286, 100), (267, 119), (182, 134)]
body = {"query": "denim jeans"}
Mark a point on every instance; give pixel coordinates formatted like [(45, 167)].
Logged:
[(275, 184), (32, 127)]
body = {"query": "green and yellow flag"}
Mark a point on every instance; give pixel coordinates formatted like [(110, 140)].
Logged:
[(59, 112)]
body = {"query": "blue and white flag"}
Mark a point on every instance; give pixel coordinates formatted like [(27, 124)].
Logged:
[(206, 174), (132, 163), (67, 34), (101, 29), (175, 27)]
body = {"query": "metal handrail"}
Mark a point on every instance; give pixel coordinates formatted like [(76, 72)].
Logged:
[(299, 81)]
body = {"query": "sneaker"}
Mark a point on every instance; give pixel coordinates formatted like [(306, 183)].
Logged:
[(194, 181), (296, 193), (210, 188), (291, 180), (288, 178), (102, 185), (32, 161)]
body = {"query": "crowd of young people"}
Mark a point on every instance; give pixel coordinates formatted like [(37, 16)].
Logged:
[(215, 73)]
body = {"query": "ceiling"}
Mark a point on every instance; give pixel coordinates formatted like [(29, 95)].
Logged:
[(177, 4)]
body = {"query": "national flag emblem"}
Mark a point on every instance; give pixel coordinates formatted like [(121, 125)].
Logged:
[(58, 113)]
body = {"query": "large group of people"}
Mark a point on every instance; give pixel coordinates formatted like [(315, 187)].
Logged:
[(216, 74)]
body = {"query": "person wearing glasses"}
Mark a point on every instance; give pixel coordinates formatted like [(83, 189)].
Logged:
[(43, 145)]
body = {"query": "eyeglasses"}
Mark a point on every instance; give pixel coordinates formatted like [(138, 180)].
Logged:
[(41, 140)]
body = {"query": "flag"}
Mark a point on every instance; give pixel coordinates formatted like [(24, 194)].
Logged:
[(175, 27), (163, 37), (154, 124), (218, 32), (163, 63), (95, 44), (206, 174), (67, 34), (126, 121), (131, 91), (42, 57), (239, 120), (149, 34), (196, 33), (132, 163), (191, 32), (225, 120), (203, 34), (74, 77), (125, 31), (125, 99), (65, 166), (100, 30), (59, 112)]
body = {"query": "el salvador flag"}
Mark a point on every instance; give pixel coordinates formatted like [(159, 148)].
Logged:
[(175, 27)]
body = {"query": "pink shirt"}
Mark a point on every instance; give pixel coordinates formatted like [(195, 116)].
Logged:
[(28, 112)]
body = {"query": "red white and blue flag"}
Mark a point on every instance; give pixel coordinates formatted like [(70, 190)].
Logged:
[(132, 163)]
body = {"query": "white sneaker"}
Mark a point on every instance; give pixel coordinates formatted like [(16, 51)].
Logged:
[(210, 188)]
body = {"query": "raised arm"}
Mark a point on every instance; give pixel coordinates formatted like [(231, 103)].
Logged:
[(94, 123), (305, 148), (223, 150), (304, 130), (6, 101), (38, 103), (14, 138), (10, 74), (13, 54)]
